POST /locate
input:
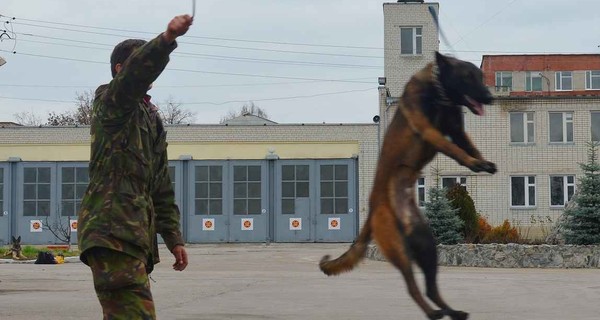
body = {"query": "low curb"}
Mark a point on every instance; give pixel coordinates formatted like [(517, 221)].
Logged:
[(67, 260), (511, 256)]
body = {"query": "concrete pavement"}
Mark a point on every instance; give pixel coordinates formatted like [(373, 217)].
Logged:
[(282, 281)]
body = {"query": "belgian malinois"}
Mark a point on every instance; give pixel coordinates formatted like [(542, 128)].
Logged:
[(428, 120)]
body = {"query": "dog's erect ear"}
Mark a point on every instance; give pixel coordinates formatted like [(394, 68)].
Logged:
[(19, 239), (440, 60), (13, 239)]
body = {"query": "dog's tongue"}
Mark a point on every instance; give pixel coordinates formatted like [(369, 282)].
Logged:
[(476, 106)]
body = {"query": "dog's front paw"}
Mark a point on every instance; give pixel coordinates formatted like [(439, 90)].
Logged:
[(483, 165)]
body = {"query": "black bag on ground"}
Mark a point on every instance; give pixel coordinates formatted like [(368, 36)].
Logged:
[(45, 257)]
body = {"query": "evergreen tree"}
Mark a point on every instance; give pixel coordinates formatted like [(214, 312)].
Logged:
[(445, 224), (582, 224)]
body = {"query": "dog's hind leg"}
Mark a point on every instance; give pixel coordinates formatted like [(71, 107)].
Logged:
[(423, 246), (391, 244)]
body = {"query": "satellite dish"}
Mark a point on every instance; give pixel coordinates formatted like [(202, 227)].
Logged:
[(2, 61)]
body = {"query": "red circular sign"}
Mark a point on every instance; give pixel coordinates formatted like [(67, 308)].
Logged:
[(74, 225), (247, 224), (36, 225), (334, 223), (295, 223), (208, 224)]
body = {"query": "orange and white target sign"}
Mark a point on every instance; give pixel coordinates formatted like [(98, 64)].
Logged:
[(295, 223), (208, 224), (35, 226), (334, 223), (248, 224), (73, 224)]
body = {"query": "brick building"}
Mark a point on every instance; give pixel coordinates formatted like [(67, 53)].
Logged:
[(249, 180), (547, 107)]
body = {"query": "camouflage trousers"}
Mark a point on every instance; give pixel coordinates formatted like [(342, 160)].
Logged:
[(121, 284)]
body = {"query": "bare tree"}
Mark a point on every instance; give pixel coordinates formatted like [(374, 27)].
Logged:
[(247, 108), (85, 104), (171, 112), (82, 115), (66, 118), (61, 231), (27, 118)]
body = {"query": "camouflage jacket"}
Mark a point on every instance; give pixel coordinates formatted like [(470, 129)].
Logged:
[(130, 197)]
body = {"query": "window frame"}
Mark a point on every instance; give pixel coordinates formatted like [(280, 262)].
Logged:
[(526, 194), (415, 40), (529, 76), (566, 184), (589, 75), (420, 185), (526, 123), (210, 183), (26, 199), (592, 114), (565, 124), (74, 200), (296, 182), (559, 77), (335, 195), (500, 75), (457, 180)]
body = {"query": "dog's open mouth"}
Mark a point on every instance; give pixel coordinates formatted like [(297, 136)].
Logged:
[(475, 106)]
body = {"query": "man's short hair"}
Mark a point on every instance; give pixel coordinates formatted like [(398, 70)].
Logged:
[(122, 51)]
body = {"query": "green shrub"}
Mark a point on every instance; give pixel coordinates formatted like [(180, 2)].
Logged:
[(460, 200)]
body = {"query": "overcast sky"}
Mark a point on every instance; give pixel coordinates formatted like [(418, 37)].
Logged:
[(266, 51)]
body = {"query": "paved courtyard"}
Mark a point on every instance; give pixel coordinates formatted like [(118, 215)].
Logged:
[(282, 281)]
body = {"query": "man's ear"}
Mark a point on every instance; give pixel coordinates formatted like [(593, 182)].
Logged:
[(118, 68)]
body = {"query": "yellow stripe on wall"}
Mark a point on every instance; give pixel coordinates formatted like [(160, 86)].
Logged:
[(198, 151)]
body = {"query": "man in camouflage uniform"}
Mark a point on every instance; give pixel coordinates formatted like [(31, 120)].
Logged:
[(130, 198)]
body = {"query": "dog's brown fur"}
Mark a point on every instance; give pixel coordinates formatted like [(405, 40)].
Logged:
[(429, 112), (15, 250)]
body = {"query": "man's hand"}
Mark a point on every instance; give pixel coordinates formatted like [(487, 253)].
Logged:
[(177, 27), (181, 259)]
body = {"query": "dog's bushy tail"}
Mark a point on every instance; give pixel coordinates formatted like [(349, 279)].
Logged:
[(350, 258)]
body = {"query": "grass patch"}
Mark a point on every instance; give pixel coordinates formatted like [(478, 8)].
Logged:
[(31, 252)]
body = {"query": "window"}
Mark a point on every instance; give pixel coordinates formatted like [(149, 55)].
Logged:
[(561, 127), (592, 80), (522, 192), (595, 119), (421, 192), (36, 192), (294, 184), (73, 186), (208, 190), (411, 40), (449, 182), (334, 189), (533, 81), (522, 128), (503, 80), (564, 80), (562, 189), (247, 190)]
